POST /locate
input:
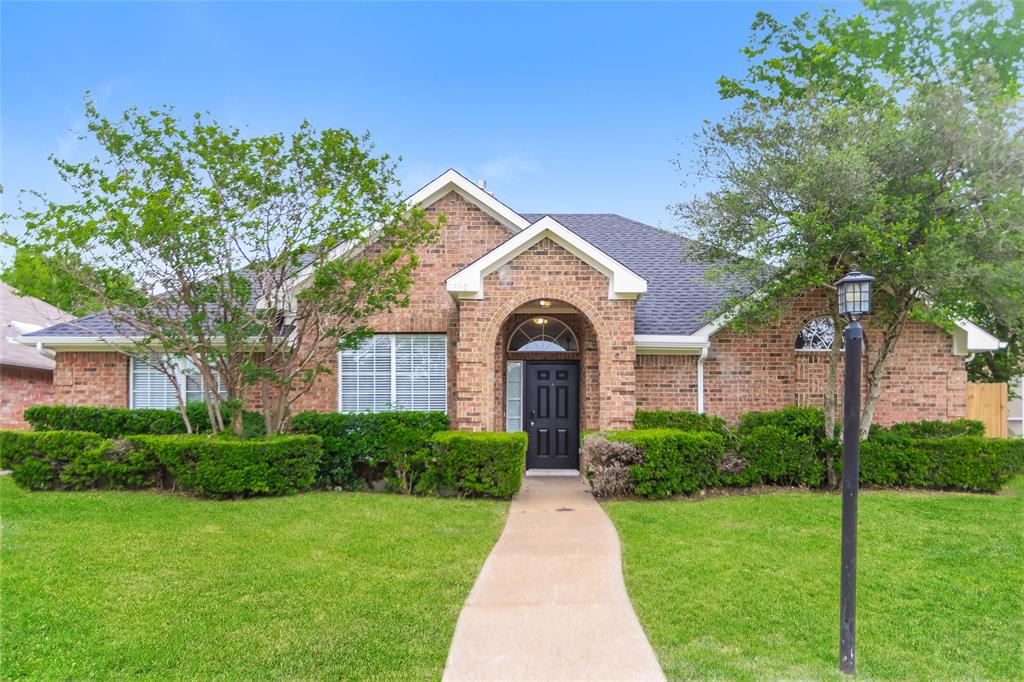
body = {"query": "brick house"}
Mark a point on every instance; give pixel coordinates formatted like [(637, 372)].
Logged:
[(26, 374), (555, 324)]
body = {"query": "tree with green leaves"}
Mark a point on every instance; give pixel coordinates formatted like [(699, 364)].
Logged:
[(891, 140), (249, 259), (32, 273)]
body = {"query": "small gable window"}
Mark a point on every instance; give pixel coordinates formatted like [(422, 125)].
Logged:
[(818, 334), (544, 334)]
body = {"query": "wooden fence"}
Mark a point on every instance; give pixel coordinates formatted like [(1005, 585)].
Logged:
[(987, 403)]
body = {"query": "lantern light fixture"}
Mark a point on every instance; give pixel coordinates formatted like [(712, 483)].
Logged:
[(855, 295)]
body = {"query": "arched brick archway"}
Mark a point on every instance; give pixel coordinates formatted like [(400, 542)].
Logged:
[(545, 271), (587, 357)]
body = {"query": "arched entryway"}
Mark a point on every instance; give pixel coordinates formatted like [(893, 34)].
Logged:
[(547, 372)]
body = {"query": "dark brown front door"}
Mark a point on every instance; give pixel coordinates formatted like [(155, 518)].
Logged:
[(551, 414)]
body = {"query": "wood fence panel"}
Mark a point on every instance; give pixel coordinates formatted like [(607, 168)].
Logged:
[(987, 404)]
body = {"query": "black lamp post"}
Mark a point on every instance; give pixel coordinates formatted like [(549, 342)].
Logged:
[(854, 303)]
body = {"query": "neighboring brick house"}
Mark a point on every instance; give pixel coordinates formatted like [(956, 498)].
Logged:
[(559, 323), (26, 374)]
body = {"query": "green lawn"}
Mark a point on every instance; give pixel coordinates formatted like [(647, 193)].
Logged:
[(747, 587), (321, 585)]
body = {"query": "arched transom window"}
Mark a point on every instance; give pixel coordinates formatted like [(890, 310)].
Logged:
[(818, 334), (543, 334)]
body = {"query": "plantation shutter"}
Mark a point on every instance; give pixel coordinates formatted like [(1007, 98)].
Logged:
[(395, 372), (514, 396), (151, 387)]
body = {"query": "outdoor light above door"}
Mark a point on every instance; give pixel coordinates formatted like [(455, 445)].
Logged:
[(855, 295)]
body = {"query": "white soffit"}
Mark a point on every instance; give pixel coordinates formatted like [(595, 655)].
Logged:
[(622, 282), (670, 344), (969, 338)]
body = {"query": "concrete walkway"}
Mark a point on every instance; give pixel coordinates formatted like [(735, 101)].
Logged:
[(550, 602)]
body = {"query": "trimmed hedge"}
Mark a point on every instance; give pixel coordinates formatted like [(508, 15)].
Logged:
[(75, 460), (225, 467), (391, 438), (115, 422), (680, 420), (800, 421), (477, 464), (776, 456), (205, 465), (970, 463), (937, 429), (674, 462)]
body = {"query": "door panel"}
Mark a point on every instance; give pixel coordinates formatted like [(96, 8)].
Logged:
[(552, 415)]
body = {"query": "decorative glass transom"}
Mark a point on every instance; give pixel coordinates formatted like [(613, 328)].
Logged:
[(817, 334), (544, 334)]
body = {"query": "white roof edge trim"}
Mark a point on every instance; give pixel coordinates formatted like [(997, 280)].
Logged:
[(670, 344), (622, 282), (450, 180), (969, 338), (89, 342)]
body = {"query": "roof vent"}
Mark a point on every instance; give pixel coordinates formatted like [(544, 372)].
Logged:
[(482, 184)]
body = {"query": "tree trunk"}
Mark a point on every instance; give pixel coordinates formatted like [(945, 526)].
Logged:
[(890, 337), (831, 396)]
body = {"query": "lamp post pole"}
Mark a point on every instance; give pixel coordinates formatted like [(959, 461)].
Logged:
[(853, 337)]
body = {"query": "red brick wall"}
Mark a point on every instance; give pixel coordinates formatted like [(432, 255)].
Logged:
[(763, 371), (88, 378), (22, 387), (666, 382)]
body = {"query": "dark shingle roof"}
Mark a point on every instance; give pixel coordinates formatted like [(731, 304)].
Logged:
[(678, 298)]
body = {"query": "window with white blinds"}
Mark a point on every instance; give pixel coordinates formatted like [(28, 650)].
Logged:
[(514, 396), (395, 372), (152, 388)]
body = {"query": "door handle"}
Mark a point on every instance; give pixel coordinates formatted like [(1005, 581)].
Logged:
[(533, 415)]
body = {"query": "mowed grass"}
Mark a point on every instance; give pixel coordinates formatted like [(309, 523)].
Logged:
[(321, 585), (747, 587)]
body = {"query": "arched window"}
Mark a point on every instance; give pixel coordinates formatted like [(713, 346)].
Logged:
[(818, 334), (543, 334)]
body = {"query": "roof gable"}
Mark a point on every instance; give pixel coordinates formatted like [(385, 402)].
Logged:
[(622, 282), (453, 181)]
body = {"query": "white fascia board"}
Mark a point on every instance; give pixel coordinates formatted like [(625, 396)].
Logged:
[(622, 282), (452, 180), (670, 344), (969, 338), (91, 343)]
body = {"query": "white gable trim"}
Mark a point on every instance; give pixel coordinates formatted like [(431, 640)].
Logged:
[(670, 344), (622, 282), (453, 181), (969, 338)]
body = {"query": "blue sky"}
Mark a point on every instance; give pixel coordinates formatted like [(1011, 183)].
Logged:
[(560, 107)]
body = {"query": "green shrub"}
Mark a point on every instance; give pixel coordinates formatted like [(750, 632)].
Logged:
[(75, 460), (396, 439), (1012, 452), (970, 463), (680, 420), (476, 464), (939, 429), (223, 467), (800, 421), (674, 462), (114, 422), (777, 456)]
